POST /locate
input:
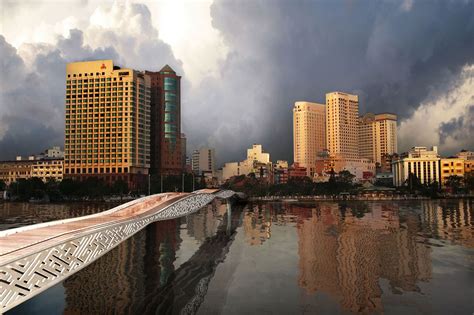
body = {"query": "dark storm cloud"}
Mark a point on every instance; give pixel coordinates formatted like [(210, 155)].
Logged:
[(394, 57), (32, 100)]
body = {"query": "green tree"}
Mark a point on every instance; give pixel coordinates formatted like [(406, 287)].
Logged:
[(119, 187), (93, 187), (413, 183), (469, 181), (431, 189), (52, 189), (3, 186), (25, 189), (454, 182), (69, 187), (345, 177)]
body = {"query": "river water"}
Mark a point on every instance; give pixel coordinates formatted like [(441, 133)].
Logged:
[(393, 257)]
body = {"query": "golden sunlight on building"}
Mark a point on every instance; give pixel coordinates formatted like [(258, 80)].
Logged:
[(48, 169), (419, 161), (342, 124), (309, 133), (451, 166), (107, 122), (377, 136)]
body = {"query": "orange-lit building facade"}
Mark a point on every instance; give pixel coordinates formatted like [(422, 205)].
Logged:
[(12, 171), (166, 146), (296, 171), (377, 136), (452, 166), (309, 133), (342, 124), (107, 125)]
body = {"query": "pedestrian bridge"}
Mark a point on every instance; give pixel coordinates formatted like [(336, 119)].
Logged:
[(35, 258)]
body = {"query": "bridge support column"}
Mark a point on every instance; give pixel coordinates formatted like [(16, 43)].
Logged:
[(229, 217)]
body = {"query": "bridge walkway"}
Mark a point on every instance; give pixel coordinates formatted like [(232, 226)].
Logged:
[(23, 240), (34, 258)]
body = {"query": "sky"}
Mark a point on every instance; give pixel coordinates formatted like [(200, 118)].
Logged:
[(244, 63)]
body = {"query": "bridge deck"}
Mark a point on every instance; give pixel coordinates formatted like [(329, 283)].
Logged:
[(22, 241), (34, 258)]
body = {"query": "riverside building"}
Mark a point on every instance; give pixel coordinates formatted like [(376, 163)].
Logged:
[(451, 166), (377, 136), (45, 168), (309, 133), (257, 162), (342, 124), (166, 140), (204, 161), (468, 158), (420, 161), (12, 171), (107, 120)]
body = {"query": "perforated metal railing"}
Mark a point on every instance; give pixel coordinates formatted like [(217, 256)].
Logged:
[(30, 269)]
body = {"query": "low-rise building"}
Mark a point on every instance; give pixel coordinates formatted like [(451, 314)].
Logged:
[(296, 171), (280, 172), (423, 163), (385, 166), (451, 166), (48, 169), (468, 158), (49, 164), (54, 153), (12, 171), (231, 169), (255, 153), (363, 169), (257, 162)]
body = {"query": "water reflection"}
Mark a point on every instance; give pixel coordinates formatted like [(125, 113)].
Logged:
[(16, 214), (453, 221), (286, 258), (345, 256), (123, 278)]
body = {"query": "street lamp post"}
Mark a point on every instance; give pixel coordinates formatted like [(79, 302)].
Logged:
[(161, 182), (149, 184), (182, 183)]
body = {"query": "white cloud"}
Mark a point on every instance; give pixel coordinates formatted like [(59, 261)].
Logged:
[(423, 127), (185, 25)]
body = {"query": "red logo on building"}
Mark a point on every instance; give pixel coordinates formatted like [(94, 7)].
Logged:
[(103, 66)]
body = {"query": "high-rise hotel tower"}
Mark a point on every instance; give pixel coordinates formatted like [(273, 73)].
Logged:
[(166, 146), (342, 124), (107, 132), (377, 135), (309, 133)]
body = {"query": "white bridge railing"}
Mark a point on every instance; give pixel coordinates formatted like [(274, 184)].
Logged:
[(41, 265)]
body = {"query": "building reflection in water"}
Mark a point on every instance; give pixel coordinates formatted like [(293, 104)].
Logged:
[(345, 250), (345, 256), (344, 253), (257, 224), (140, 276), (122, 277), (451, 220)]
